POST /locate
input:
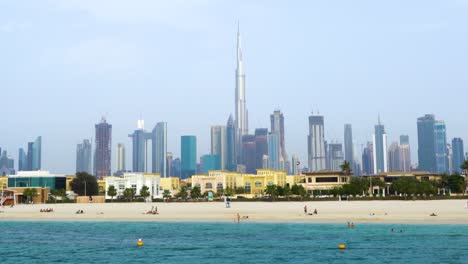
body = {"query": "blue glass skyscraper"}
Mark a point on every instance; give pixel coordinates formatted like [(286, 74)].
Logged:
[(139, 155), (188, 150), (380, 149), (440, 147), (426, 143), (159, 149), (274, 150), (458, 154)]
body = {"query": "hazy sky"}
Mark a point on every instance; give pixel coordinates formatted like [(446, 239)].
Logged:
[(66, 63)]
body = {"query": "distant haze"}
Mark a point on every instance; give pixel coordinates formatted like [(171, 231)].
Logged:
[(64, 64)]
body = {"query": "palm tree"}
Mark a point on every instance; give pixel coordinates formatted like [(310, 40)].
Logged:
[(346, 168), (111, 191), (144, 192), (166, 194), (272, 191)]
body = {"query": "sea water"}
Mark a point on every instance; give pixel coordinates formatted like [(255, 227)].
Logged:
[(115, 242)]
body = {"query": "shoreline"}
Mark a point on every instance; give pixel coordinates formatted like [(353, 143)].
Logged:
[(448, 212)]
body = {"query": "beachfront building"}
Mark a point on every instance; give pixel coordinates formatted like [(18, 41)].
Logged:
[(315, 182), (389, 177), (253, 184), (3, 183), (172, 184), (37, 179), (135, 181)]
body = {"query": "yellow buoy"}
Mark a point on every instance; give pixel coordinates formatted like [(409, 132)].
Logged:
[(341, 246), (140, 242)]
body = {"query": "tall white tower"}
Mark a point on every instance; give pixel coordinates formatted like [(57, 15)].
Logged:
[(241, 121)]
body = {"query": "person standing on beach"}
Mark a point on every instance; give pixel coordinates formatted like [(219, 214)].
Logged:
[(305, 209)]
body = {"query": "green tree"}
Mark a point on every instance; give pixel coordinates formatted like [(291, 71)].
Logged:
[(59, 193), (346, 168), (464, 167), (129, 193), (287, 191), (111, 191), (299, 190), (456, 183), (240, 190), (166, 194), (30, 193), (195, 192), (82, 179), (183, 193), (272, 191), (144, 192), (229, 191)]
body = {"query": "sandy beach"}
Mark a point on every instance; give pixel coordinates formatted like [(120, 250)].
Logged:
[(404, 212)]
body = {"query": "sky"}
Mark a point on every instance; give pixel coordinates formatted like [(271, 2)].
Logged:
[(66, 63)]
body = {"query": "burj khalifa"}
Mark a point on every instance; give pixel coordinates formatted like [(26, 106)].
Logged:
[(241, 121)]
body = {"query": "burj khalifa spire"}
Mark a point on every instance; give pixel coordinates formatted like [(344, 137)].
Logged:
[(241, 121)]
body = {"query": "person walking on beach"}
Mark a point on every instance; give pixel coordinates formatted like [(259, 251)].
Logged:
[(305, 209), (238, 218)]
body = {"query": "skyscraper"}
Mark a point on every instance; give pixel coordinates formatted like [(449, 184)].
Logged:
[(22, 160), (7, 164), (211, 162), (242, 126), (188, 150), (348, 144), (140, 149), (277, 125), (120, 157), (380, 149), (295, 165), (231, 145), (274, 150), (34, 155), (394, 157), (458, 154), (405, 154), (84, 157), (335, 156), (169, 158), (440, 147), (368, 159), (316, 144), (102, 154), (248, 153), (219, 145), (261, 147), (426, 143), (159, 149)]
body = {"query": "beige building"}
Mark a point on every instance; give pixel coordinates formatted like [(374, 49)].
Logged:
[(320, 181), (170, 183), (254, 184)]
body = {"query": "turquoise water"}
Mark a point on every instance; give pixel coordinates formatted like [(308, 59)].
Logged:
[(110, 242)]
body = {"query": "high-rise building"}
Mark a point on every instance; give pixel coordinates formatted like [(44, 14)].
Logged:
[(274, 150), (316, 144), (188, 150), (394, 157), (335, 156), (368, 159), (176, 167), (449, 152), (34, 155), (277, 125), (159, 149), (7, 164), (231, 145), (169, 158), (380, 149), (248, 153), (261, 147), (295, 165), (348, 144), (102, 154), (121, 157), (84, 157), (219, 145), (140, 149), (211, 162), (405, 154), (426, 143), (440, 147), (22, 160), (242, 125), (458, 157)]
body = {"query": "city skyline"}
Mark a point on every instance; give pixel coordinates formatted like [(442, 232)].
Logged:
[(301, 86)]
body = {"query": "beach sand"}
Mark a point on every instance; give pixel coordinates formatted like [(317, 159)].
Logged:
[(404, 212)]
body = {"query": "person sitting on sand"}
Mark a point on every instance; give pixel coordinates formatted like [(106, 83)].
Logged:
[(432, 214), (315, 212), (245, 217)]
